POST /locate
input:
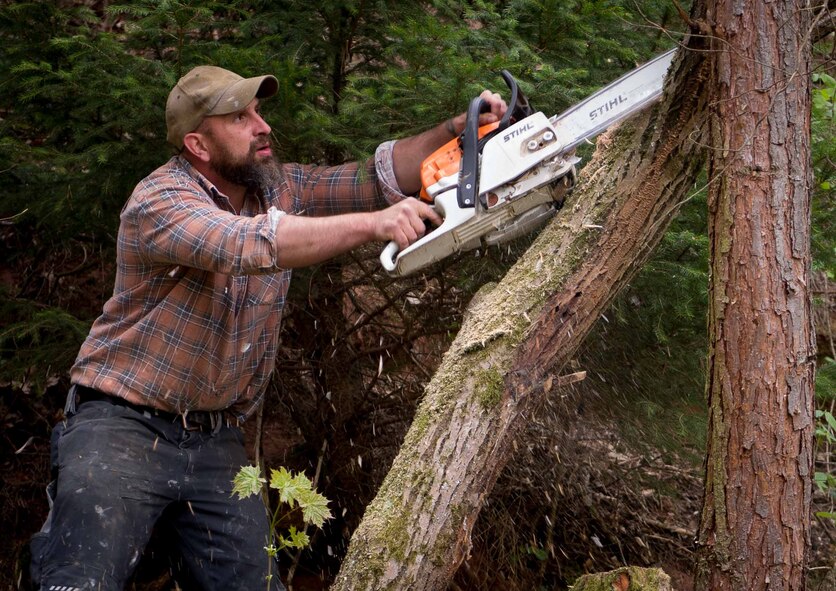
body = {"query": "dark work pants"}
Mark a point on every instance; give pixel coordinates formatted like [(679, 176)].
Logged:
[(118, 470)]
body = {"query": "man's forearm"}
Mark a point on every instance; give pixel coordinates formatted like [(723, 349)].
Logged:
[(410, 152), (303, 241)]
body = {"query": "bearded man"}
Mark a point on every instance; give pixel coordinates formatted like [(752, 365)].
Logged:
[(184, 347)]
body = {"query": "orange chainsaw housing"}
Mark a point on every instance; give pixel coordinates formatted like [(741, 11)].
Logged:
[(445, 161)]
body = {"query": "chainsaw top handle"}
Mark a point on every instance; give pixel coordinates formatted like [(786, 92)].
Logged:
[(472, 144)]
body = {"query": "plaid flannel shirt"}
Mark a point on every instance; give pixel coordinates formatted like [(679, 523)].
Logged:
[(193, 322)]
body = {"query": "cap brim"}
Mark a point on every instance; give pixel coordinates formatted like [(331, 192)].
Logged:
[(241, 94)]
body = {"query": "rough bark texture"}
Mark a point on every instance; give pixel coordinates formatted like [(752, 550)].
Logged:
[(416, 532), (755, 526)]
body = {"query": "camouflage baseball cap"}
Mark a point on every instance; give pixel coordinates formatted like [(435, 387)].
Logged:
[(209, 90)]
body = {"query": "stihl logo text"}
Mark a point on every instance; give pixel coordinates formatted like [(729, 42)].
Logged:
[(516, 132), (606, 107)]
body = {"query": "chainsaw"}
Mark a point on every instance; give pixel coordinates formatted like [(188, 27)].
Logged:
[(499, 181)]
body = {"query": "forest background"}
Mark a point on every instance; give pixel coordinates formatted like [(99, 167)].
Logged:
[(611, 472)]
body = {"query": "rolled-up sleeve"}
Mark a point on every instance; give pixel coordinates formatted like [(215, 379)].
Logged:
[(384, 162)]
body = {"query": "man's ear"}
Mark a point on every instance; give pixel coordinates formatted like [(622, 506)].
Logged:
[(195, 144)]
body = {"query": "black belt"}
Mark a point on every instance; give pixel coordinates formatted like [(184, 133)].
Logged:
[(193, 420)]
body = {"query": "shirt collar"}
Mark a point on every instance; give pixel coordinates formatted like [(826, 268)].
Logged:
[(219, 198)]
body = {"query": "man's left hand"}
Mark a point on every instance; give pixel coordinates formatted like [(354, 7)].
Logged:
[(497, 110)]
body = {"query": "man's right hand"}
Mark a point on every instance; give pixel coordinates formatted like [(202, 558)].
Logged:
[(302, 241), (403, 222)]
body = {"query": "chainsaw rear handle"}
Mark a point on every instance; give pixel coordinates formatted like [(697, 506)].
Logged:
[(387, 257)]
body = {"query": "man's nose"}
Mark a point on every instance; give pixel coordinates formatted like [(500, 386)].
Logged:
[(261, 127)]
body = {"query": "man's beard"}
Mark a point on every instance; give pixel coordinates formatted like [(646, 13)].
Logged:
[(247, 172)]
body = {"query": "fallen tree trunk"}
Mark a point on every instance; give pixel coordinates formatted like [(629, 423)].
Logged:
[(416, 532)]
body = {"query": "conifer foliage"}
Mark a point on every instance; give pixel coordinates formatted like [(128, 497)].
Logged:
[(84, 84)]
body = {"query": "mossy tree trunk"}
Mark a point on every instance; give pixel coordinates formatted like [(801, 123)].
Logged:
[(516, 338), (755, 526)]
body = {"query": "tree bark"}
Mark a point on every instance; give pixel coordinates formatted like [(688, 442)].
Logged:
[(755, 526), (416, 532)]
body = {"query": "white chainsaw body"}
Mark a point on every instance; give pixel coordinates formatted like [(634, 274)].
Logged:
[(534, 153)]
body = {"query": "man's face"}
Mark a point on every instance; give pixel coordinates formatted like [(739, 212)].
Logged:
[(239, 145)]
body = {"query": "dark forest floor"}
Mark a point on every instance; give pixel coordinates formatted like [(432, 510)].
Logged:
[(609, 506)]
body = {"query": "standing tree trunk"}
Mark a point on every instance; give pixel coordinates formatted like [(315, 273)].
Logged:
[(755, 526), (417, 530)]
